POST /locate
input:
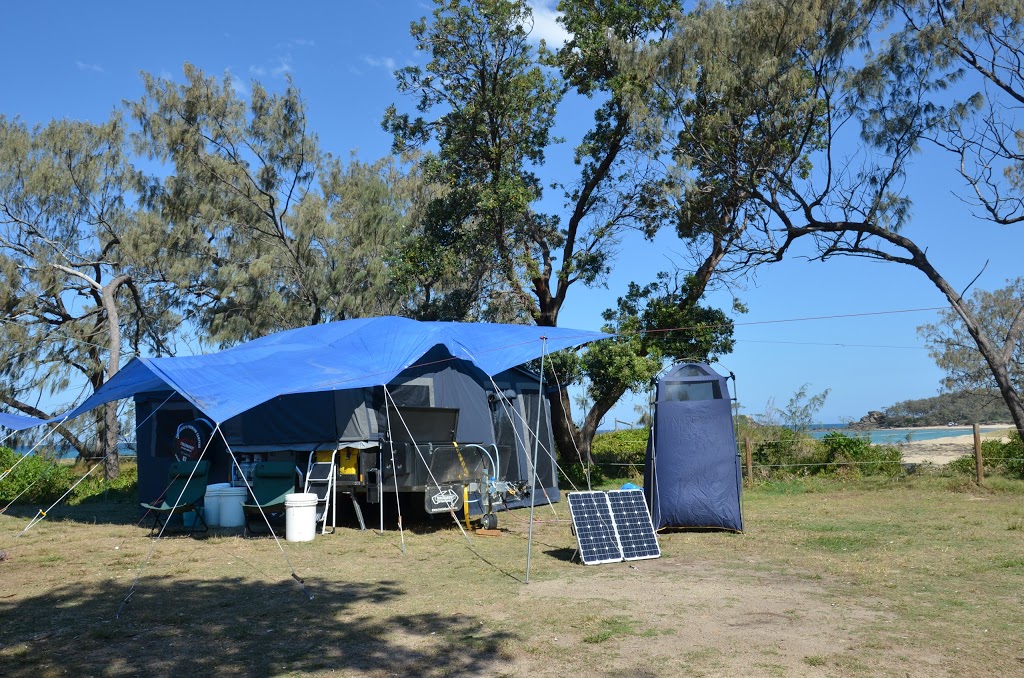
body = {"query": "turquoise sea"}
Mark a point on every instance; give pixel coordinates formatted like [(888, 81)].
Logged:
[(891, 436)]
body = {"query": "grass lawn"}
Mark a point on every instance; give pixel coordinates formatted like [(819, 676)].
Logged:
[(921, 576)]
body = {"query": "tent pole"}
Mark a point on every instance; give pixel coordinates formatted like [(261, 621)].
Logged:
[(380, 482), (536, 444)]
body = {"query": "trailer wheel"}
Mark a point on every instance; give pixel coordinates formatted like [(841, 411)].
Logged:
[(489, 521)]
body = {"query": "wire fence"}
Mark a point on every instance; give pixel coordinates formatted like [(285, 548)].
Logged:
[(764, 455)]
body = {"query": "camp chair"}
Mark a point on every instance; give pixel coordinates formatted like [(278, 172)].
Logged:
[(187, 487), (271, 482)]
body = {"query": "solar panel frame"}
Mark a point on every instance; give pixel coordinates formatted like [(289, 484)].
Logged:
[(637, 537), (595, 528)]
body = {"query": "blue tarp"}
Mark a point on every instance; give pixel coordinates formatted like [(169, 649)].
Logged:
[(692, 474), (333, 356)]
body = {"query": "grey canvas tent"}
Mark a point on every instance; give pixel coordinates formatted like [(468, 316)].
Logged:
[(414, 406), (692, 471), (440, 400)]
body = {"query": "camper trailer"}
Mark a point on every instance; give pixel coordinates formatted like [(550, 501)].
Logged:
[(441, 430)]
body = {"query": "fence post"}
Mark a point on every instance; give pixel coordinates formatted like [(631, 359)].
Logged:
[(750, 464), (979, 467)]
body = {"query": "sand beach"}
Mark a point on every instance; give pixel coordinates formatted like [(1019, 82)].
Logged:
[(945, 450)]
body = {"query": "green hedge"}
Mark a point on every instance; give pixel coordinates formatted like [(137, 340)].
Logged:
[(628, 446), (40, 479)]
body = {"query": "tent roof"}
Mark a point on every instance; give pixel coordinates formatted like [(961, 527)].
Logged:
[(691, 372), (333, 356)]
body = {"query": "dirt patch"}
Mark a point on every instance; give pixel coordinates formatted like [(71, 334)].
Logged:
[(701, 619)]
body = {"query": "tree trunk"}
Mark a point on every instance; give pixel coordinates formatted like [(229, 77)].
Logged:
[(998, 358), (112, 464), (564, 431)]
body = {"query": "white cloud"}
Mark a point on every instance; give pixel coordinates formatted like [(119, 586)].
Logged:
[(82, 66), (284, 65), (257, 71), (295, 42), (545, 24), (240, 86), (387, 63)]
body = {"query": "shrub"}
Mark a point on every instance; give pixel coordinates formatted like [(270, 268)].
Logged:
[(782, 452), (39, 479), (997, 458), (575, 476), (123, 488), (620, 447), (857, 456)]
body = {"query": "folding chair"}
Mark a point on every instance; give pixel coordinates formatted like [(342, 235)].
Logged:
[(187, 486), (271, 482)]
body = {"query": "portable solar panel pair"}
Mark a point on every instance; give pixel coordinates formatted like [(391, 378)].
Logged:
[(613, 526)]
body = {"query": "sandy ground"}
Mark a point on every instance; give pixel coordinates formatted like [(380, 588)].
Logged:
[(945, 450)]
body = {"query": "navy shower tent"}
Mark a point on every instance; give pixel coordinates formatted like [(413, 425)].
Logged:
[(692, 473)]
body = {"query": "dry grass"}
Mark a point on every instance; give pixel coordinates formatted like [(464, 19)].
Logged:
[(860, 578)]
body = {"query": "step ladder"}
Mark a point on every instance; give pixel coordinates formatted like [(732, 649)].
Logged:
[(320, 480)]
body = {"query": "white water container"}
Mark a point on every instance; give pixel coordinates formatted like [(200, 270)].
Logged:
[(211, 503), (300, 516), (231, 500)]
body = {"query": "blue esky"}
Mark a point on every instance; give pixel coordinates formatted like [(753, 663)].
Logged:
[(81, 60)]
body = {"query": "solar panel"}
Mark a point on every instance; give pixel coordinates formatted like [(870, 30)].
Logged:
[(595, 530), (613, 526), (633, 524)]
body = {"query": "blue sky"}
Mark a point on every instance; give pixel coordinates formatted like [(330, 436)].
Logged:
[(63, 59)]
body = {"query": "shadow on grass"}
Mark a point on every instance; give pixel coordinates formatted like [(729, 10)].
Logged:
[(91, 512), (230, 627), (564, 554)]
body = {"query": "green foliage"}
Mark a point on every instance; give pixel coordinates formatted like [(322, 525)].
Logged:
[(955, 352), (857, 456), (123, 489), (75, 282), (575, 476), (780, 452), (997, 457), (41, 480), (961, 407), (257, 228), (621, 447)]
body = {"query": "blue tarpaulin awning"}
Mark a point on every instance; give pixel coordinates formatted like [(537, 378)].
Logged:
[(334, 356)]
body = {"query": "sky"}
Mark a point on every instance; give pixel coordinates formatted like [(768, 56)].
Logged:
[(851, 323)]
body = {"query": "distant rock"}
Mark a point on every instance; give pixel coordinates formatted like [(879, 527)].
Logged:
[(871, 420)]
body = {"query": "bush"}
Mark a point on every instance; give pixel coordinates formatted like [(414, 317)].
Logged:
[(857, 456), (575, 477), (782, 452), (41, 480), (123, 488), (997, 458), (620, 447)]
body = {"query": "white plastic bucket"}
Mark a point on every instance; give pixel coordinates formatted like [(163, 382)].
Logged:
[(231, 500), (212, 501), (300, 516)]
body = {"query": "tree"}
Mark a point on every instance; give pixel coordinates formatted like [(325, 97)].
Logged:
[(73, 251), (488, 100), (652, 324), (264, 231), (955, 351), (763, 91)]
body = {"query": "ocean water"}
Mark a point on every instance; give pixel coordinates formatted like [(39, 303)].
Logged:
[(892, 436), (124, 450)]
